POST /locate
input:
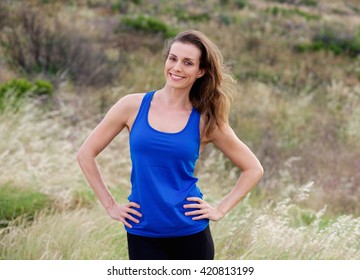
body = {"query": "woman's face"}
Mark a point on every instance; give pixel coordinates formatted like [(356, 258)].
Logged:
[(182, 66)]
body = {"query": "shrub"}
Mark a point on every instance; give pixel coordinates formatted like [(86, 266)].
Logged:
[(289, 12), (299, 2), (16, 202), (240, 4), (225, 19), (337, 41), (12, 92), (309, 2), (3, 14), (184, 15), (33, 46), (149, 25), (123, 6)]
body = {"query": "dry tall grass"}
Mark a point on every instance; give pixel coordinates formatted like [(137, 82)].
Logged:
[(42, 157)]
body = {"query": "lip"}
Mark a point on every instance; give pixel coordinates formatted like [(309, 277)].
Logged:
[(175, 77)]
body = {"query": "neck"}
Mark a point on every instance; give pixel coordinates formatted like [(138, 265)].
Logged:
[(175, 98)]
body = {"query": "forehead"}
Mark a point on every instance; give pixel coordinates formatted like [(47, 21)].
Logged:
[(185, 50)]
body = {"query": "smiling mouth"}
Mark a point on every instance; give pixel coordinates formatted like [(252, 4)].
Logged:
[(175, 77)]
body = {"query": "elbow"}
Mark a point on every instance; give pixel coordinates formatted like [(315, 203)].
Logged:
[(82, 156), (79, 156), (261, 173), (261, 170), (258, 172)]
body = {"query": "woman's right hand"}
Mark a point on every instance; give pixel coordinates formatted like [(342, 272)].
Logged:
[(122, 212)]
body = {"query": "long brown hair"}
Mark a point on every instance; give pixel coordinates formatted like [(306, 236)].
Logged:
[(211, 94)]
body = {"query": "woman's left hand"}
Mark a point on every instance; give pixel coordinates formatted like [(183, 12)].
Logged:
[(204, 210)]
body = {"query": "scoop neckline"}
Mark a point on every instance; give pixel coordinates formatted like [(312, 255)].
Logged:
[(166, 132)]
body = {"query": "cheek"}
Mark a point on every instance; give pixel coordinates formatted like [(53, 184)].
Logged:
[(195, 74), (167, 66)]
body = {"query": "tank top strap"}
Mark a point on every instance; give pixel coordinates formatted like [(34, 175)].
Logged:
[(145, 105), (193, 126)]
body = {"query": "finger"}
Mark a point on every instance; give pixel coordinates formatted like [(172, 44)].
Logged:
[(134, 204), (191, 213), (194, 198), (126, 223), (200, 217), (194, 206), (137, 213), (131, 218), (128, 209), (132, 211)]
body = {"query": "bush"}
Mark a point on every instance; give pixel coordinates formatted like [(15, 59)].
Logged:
[(12, 92), (312, 3), (3, 14), (289, 12), (241, 4), (15, 202), (149, 25), (225, 19), (123, 6), (337, 41), (238, 4), (184, 15), (33, 46)]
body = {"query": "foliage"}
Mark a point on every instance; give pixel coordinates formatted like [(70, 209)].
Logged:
[(289, 12), (123, 6), (239, 4), (3, 14), (299, 2), (185, 15), (34, 47), (148, 24), (15, 202), (332, 39), (13, 92)]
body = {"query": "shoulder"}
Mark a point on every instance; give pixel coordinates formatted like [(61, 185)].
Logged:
[(124, 109), (130, 101), (127, 105)]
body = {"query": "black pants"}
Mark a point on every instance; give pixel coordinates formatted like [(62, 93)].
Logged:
[(198, 246)]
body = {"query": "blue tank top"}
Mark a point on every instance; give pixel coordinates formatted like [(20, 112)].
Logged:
[(162, 176)]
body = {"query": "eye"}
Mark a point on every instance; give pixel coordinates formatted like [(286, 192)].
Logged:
[(188, 62), (172, 58)]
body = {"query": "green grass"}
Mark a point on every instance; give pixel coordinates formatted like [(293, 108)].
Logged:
[(340, 42), (13, 92), (277, 11), (16, 202), (148, 24)]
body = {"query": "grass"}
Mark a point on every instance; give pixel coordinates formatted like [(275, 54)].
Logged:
[(274, 231), (81, 234), (148, 24), (15, 202), (270, 234), (275, 222)]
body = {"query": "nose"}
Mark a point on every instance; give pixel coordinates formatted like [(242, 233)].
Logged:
[(177, 66)]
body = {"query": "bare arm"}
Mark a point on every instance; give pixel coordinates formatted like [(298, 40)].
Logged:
[(119, 116), (251, 172)]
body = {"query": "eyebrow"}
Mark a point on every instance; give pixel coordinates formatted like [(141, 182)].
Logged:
[(188, 58)]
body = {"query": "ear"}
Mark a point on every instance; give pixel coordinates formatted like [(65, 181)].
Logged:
[(201, 73)]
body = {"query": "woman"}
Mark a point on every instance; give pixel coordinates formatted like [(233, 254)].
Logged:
[(166, 217)]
